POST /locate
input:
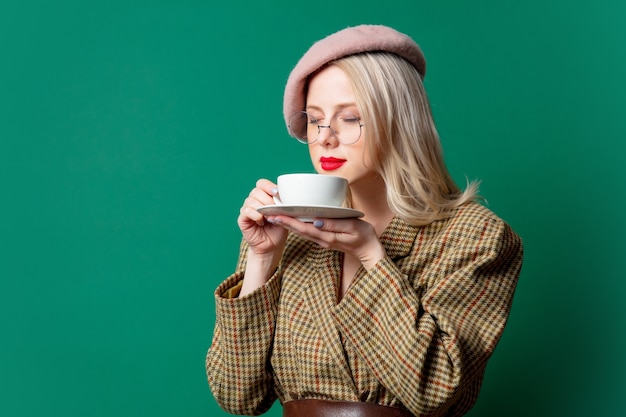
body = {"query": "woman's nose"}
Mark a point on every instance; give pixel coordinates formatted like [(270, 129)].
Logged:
[(327, 135)]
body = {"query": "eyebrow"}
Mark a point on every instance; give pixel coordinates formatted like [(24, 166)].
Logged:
[(340, 106)]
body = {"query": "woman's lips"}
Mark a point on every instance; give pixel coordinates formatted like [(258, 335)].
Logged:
[(330, 164)]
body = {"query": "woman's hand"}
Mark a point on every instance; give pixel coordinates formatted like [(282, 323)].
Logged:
[(266, 241), (352, 236), (262, 236)]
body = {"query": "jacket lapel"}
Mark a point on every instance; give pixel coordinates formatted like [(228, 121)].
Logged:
[(321, 296), (399, 238), (320, 293)]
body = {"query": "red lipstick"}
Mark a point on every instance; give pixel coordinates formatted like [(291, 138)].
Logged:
[(330, 163)]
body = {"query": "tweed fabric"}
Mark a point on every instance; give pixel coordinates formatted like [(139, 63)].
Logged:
[(413, 332)]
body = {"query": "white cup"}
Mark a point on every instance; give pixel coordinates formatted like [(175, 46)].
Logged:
[(311, 190)]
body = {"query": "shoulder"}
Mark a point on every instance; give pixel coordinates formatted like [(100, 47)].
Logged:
[(475, 212), (473, 216), (477, 226), (470, 225)]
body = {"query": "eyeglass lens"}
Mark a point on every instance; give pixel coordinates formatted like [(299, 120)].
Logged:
[(344, 125)]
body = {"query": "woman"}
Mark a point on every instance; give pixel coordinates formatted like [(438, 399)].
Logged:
[(395, 313)]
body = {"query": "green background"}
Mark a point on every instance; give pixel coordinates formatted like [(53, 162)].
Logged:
[(131, 131)]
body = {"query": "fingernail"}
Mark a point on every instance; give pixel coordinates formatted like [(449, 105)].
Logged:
[(274, 190), (318, 223)]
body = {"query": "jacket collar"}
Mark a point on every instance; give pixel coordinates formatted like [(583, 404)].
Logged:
[(398, 238)]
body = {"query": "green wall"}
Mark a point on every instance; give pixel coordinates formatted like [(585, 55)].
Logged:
[(131, 131)]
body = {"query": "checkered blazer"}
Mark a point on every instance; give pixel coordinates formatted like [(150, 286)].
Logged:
[(414, 332)]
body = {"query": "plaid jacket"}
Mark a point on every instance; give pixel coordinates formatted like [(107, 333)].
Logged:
[(414, 332)]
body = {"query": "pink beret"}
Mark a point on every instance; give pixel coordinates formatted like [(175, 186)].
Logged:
[(349, 41)]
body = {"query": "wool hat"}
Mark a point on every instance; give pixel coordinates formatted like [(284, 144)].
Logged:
[(348, 41)]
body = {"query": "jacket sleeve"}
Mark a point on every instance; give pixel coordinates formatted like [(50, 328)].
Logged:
[(237, 361), (426, 327)]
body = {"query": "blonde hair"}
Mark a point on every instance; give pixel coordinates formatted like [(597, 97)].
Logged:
[(402, 139)]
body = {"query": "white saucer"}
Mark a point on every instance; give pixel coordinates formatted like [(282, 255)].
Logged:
[(309, 213)]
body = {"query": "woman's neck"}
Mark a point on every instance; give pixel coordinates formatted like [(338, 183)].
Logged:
[(371, 198)]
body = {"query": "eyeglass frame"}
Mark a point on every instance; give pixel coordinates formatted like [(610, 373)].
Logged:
[(319, 127)]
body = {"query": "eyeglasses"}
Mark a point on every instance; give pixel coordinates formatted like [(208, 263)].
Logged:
[(344, 125)]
